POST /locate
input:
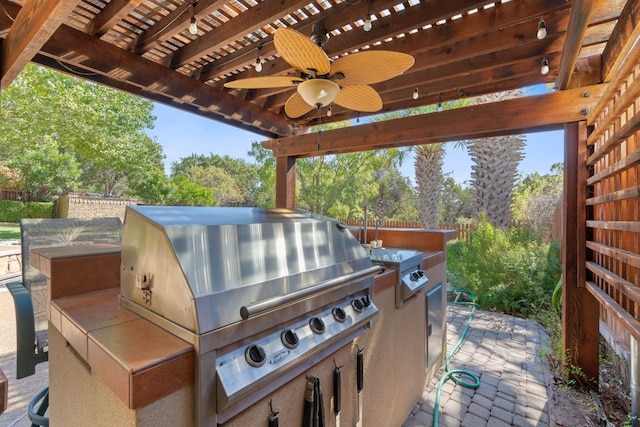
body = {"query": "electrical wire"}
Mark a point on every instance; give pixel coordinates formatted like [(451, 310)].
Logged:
[(457, 374)]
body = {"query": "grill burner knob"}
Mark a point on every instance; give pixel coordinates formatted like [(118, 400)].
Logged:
[(255, 355), (357, 305), (416, 275), (317, 325), (289, 338), (339, 314)]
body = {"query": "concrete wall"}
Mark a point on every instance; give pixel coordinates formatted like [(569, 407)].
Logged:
[(73, 206)]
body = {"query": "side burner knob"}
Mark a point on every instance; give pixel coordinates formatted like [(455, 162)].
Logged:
[(357, 305), (255, 355), (317, 325), (289, 338), (339, 314)]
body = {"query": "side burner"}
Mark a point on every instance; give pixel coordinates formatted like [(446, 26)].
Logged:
[(408, 262)]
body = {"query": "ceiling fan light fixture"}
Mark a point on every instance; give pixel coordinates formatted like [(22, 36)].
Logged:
[(544, 68), (318, 92), (542, 29)]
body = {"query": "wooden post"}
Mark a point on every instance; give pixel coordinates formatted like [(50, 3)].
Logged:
[(580, 310), (286, 182)]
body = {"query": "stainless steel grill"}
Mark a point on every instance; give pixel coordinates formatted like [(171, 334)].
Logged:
[(261, 293)]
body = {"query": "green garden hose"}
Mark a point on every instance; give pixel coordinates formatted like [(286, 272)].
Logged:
[(457, 374)]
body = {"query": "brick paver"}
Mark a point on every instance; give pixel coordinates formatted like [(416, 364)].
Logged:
[(504, 351)]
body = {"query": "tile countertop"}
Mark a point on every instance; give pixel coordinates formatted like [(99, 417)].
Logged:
[(137, 359)]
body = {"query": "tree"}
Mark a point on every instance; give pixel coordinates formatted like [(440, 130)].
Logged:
[(495, 168), (101, 128), (457, 203), (184, 192), (535, 200), (45, 170), (429, 160), (234, 181)]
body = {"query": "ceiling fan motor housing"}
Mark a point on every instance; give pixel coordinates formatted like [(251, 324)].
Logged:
[(318, 35)]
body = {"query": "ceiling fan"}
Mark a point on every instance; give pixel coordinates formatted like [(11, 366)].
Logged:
[(319, 82)]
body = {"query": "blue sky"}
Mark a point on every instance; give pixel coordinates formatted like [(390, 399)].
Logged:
[(181, 134)]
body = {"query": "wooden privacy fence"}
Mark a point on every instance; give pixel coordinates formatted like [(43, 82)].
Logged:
[(463, 230)]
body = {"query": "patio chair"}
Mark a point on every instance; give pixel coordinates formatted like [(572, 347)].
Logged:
[(30, 296)]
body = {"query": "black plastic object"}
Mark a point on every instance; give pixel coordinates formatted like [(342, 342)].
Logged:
[(360, 370), (337, 390), (255, 355)]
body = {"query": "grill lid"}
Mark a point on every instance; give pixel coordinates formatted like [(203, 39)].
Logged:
[(197, 266)]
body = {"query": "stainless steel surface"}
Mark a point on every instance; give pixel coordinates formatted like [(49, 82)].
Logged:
[(408, 262), (435, 320), (238, 374), (202, 264), (254, 290)]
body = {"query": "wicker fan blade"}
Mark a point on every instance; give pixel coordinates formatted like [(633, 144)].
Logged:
[(300, 52), (296, 106), (359, 98), (371, 66), (263, 82)]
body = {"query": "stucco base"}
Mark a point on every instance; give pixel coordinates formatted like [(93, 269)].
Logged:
[(79, 398)]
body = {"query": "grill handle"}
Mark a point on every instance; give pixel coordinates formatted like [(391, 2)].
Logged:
[(247, 311)]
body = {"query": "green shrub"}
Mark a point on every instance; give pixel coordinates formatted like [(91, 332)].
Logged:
[(11, 211), (511, 271)]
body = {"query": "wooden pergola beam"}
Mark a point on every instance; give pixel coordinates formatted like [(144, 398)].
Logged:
[(34, 24), (578, 23), (624, 38), (519, 115)]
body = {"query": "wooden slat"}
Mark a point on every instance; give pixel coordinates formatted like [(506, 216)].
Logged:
[(622, 255), (612, 279), (630, 226), (621, 165), (34, 24), (620, 133), (518, 115), (578, 22), (615, 196), (631, 324), (622, 40)]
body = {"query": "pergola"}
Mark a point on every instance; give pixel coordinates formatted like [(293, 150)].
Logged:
[(462, 48)]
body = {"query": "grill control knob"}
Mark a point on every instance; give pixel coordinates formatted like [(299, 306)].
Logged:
[(416, 275), (339, 314), (317, 325), (357, 305), (255, 355), (289, 338)]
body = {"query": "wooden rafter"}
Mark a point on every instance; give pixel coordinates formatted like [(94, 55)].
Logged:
[(113, 12), (34, 24), (578, 23)]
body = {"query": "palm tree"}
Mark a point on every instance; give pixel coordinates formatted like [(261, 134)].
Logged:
[(428, 167), (494, 173)]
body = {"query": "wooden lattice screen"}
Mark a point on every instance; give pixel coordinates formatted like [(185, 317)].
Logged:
[(613, 205)]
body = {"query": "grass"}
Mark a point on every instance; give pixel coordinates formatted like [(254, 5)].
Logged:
[(9, 232)]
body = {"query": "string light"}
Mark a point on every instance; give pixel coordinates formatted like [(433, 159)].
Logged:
[(544, 69), (542, 29), (439, 102), (258, 65), (367, 23), (416, 94), (329, 111), (193, 28)]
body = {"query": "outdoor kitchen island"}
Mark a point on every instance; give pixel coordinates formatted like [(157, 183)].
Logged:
[(111, 363)]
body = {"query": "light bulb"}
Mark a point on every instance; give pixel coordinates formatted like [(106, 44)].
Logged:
[(439, 106), (367, 23), (544, 69), (542, 30), (415, 93), (193, 28), (329, 111), (258, 65)]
